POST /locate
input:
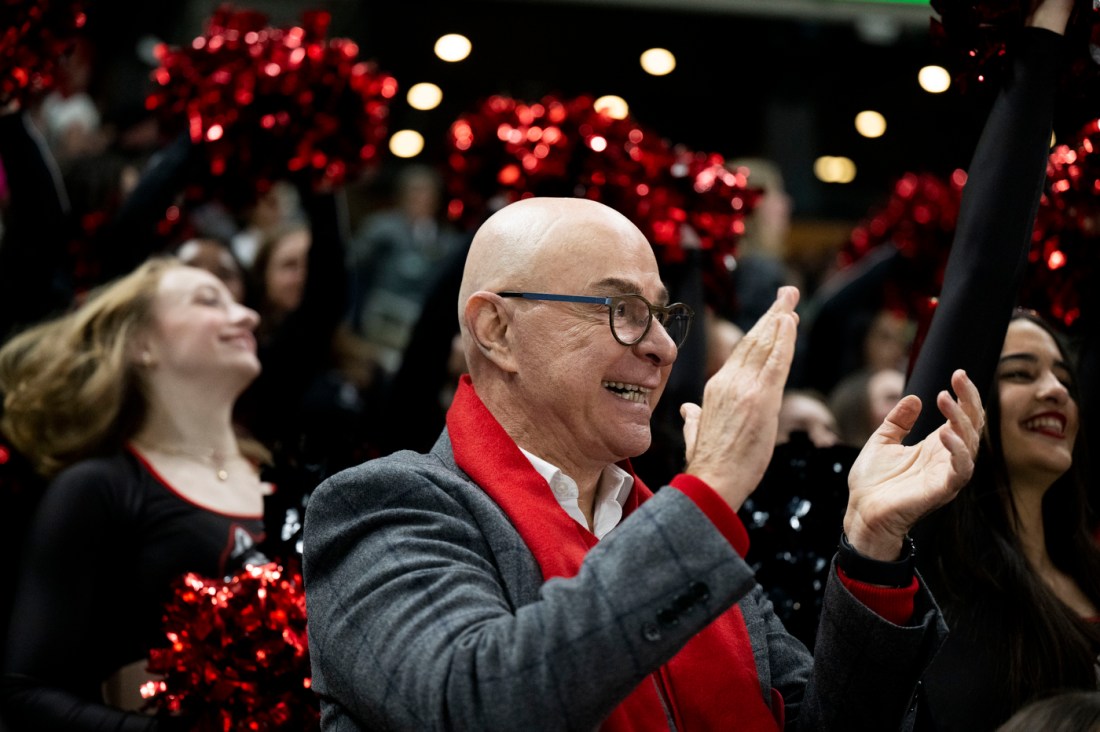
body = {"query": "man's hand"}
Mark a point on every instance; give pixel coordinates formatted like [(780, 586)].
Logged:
[(891, 486), (730, 439), (1051, 14)]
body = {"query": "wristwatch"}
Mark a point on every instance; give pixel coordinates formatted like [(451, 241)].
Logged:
[(862, 568)]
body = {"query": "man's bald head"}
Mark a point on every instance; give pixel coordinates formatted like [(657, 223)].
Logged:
[(541, 243), (551, 372), (529, 238)]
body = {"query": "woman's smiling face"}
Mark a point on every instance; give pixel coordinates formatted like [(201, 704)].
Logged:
[(1039, 416)]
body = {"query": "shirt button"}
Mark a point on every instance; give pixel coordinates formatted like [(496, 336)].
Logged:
[(651, 632)]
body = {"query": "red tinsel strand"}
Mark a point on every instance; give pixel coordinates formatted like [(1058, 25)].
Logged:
[(34, 36), (270, 103), (237, 656), (507, 149)]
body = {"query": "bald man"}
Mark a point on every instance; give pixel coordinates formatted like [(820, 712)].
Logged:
[(521, 577)]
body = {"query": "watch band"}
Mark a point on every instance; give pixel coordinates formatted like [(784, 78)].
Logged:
[(862, 568)]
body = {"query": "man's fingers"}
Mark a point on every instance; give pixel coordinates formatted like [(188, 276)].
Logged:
[(782, 352), (756, 347), (691, 413), (900, 419)]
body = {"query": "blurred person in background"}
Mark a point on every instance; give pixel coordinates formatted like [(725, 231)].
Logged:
[(216, 257), (761, 252), (395, 259), (863, 397)]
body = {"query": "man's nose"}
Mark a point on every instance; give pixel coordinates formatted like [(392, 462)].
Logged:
[(657, 346)]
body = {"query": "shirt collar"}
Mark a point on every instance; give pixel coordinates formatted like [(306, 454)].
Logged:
[(611, 493)]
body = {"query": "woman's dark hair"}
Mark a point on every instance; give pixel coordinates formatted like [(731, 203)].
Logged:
[(256, 280), (1071, 711), (977, 570)]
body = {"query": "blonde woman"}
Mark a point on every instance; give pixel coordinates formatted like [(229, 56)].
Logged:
[(126, 405)]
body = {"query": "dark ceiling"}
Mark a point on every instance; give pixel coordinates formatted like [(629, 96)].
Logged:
[(784, 87)]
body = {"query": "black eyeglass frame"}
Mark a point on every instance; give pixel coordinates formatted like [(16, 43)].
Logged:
[(654, 310)]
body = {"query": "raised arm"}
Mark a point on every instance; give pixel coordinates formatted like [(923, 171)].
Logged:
[(989, 253), (33, 249)]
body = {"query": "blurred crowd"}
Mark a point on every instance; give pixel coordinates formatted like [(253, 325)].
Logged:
[(355, 291), (350, 295)]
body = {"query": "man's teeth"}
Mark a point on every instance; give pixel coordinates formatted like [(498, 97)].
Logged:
[(629, 392)]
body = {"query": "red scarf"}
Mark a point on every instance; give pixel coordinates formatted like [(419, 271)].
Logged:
[(710, 684)]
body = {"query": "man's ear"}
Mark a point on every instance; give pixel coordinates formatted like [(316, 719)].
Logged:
[(489, 324)]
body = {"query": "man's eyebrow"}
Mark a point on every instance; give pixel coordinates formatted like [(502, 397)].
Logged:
[(627, 287)]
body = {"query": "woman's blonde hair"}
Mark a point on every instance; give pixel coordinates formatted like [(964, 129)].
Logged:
[(71, 385)]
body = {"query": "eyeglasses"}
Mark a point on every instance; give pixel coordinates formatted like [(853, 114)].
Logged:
[(629, 315)]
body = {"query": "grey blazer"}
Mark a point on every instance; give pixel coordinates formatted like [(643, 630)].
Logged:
[(427, 611)]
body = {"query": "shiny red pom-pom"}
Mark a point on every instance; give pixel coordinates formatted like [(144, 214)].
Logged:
[(270, 103), (508, 149), (978, 36), (919, 219), (237, 655), (1065, 253), (34, 36)]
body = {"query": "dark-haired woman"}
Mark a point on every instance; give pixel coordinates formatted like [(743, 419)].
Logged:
[(1011, 560)]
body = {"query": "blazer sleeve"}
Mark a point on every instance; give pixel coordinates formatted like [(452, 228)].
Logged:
[(866, 669)]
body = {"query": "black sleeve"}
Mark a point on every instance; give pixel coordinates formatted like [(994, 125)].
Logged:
[(989, 252), (33, 275), (839, 316), (310, 328), (325, 300), (52, 665), (131, 236), (1088, 396)]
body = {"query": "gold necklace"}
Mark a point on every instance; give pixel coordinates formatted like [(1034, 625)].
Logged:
[(213, 457)]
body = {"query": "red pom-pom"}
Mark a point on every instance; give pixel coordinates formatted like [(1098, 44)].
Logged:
[(919, 219), (34, 36), (1065, 252), (269, 103), (508, 149), (978, 35), (237, 656)]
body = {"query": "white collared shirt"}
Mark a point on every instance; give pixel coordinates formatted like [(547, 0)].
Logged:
[(611, 493)]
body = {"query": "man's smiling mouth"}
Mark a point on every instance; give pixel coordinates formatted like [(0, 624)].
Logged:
[(629, 392)]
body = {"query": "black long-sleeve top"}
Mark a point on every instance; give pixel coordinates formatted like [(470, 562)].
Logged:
[(108, 540), (965, 687), (988, 256)]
